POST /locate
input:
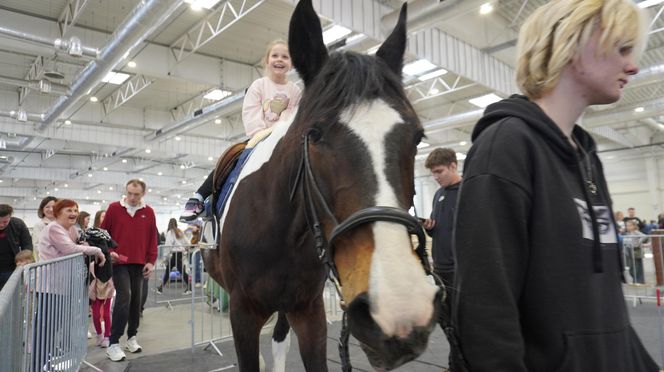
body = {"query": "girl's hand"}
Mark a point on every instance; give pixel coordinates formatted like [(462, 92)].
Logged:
[(101, 259)]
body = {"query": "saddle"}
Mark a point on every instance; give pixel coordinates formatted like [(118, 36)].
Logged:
[(228, 169), (225, 165)]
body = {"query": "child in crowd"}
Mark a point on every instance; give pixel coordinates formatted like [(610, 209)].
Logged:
[(101, 288), (24, 257), (267, 100), (632, 240)]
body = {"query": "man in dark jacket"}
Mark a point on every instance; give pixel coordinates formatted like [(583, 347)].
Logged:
[(442, 163), (14, 237)]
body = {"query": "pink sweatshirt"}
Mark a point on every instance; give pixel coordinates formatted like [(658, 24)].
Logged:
[(266, 102), (56, 241)]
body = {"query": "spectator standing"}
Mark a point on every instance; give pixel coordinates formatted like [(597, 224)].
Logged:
[(14, 238), (177, 256), (442, 162), (132, 224), (631, 216), (632, 245), (45, 213), (538, 272), (648, 228), (620, 224), (58, 239)]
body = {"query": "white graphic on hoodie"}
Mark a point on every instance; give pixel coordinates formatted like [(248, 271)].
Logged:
[(607, 231)]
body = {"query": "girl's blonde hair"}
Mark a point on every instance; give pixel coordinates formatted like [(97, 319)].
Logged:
[(555, 33), (271, 45)]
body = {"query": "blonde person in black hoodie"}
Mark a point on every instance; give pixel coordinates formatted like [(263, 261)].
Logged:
[(539, 275)]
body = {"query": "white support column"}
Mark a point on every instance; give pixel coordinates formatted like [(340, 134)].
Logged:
[(654, 191)]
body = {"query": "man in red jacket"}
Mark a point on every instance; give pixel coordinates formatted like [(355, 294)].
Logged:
[(132, 224)]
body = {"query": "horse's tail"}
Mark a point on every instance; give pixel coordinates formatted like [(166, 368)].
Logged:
[(280, 342)]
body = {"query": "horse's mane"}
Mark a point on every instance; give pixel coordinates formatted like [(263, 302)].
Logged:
[(348, 79)]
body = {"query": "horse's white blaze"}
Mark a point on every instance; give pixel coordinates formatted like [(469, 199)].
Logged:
[(401, 296), (261, 155), (279, 352)]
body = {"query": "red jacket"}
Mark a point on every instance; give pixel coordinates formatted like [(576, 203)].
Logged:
[(136, 236)]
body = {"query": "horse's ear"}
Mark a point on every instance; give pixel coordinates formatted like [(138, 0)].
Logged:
[(394, 46), (305, 41)]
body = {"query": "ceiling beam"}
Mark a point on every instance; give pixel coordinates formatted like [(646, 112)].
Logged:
[(215, 23)]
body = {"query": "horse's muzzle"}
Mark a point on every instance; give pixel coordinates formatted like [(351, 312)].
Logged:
[(387, 352)]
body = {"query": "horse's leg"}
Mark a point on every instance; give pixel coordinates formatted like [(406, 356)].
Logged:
[(246, 324), (280, 343), (311, 329)]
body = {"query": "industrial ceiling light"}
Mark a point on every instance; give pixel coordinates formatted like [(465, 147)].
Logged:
[(334, 33), (486, 8), (131, 64), (51, 71), (649, 3), (198, 4), (433, 74), (116, 78), (217, 94), (418, 67), (485, 100)]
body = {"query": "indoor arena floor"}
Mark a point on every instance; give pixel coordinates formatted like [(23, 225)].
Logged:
[(165, 337)]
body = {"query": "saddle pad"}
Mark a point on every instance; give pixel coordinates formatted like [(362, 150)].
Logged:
[(228, 170), (230, 181)]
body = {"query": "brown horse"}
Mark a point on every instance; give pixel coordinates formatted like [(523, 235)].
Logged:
[(348, 155)]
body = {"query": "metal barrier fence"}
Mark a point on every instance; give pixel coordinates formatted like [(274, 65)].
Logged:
[(171, 281), (210, 322), (53, 316), (643, 256), (11, 323)]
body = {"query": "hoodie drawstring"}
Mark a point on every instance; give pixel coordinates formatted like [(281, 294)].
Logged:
[(586, 181)]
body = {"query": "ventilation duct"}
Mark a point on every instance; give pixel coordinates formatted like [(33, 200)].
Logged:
[(146, 17), (35, 118), (43, 85), (72, 46)]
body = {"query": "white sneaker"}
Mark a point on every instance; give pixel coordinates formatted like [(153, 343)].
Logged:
[(132, 345), (99, 340), (104, 343), (114, 353), (89, 335)]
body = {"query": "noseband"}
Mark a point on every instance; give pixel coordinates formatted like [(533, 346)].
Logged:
[(325, 249)]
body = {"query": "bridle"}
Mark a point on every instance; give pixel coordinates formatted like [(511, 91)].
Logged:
[(325, 249)]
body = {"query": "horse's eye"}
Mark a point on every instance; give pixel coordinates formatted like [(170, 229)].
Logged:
[(314, 134)]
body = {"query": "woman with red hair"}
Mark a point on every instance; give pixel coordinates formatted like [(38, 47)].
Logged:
[(59, 237)]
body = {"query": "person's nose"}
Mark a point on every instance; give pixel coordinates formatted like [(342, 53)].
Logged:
[(631, 68)]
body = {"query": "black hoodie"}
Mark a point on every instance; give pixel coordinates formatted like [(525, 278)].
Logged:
[(539, 274)]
